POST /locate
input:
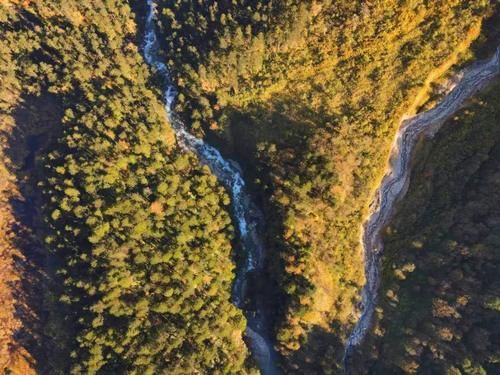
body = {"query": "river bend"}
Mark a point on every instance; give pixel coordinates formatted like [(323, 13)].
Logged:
[(396, 180)]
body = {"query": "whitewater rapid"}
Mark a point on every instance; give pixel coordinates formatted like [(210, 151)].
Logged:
[(396, 180), (245, 213)]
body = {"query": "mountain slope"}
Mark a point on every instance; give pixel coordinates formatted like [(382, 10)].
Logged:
[(307, 96), (133, 237), (438, 311)]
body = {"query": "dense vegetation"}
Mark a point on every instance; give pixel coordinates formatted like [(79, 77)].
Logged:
[(439, 311), (307, 94), (136, 233), (116, 244)]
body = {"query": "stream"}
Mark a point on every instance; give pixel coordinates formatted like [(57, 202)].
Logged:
[(249, 219), (246, 216), (395, 184)]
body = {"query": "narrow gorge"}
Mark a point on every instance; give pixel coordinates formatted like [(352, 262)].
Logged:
[(246, 214)]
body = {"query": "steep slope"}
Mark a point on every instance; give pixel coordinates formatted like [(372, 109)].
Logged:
[(307, 95), (133, 234), (397, 178), (12, 354), (438, 311)]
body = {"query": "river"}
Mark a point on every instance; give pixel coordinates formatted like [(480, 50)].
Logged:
[(395, 184), (246, 216), (249, 219)]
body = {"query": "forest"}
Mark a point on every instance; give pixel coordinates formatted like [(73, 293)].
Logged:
[(439, 307), (118, 247), (307, 95), (133, 235)]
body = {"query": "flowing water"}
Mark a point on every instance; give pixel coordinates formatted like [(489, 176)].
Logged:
[(249, 220), (246, 215), (396, 180)]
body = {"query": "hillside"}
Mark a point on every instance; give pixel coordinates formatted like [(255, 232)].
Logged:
[(183, 187), (307, 96), (438, 311), (127, 251)]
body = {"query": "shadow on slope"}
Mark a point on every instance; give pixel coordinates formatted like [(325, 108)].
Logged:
[(36, 122)]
